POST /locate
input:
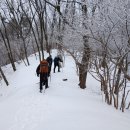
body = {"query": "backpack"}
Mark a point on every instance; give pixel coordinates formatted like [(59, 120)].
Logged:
[(43, 66)]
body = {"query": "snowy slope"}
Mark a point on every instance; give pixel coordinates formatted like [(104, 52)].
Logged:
[(63, 106)]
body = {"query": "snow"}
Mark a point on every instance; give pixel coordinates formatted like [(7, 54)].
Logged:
[(63, 106)]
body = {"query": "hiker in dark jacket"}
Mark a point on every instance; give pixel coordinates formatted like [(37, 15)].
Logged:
[(49, 60), (42, 70), (57, 61)]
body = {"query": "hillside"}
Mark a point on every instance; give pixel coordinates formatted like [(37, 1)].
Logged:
[(63, 106)]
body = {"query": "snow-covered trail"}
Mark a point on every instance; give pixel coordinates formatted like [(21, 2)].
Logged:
[(63, 106)]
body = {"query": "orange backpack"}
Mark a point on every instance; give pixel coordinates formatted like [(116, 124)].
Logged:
[(43, 66)]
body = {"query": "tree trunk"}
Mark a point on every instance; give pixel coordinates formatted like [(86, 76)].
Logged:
[(4, 77), (83, 67), (25, 50), (8, 51), (82, 77)]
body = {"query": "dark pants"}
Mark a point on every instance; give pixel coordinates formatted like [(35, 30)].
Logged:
[(43, 80), (49, 70), (56, 65)]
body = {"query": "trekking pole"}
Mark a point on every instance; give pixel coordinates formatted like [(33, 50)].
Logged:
[(62, 66)]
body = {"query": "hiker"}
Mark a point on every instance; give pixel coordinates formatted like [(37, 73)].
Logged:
[(42, 70), (57, 61), (49, 60)]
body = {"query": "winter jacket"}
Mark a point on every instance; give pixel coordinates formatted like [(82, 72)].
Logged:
[(57, 60)]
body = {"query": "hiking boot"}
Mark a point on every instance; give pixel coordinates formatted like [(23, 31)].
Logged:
[(40, 91), (46, 87)]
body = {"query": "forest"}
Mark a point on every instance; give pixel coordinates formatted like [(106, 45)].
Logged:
[(96, 33)]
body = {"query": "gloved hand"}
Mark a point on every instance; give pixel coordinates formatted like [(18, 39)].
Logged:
[(37, 75)]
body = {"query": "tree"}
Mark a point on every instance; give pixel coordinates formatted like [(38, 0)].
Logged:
[(4, 77), (6, 41)]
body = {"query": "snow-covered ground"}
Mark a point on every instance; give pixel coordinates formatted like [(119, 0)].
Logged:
[(63, 106)]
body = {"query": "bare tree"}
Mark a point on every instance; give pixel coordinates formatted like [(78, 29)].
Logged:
[(4, 77), (20, 25), (6, 41)]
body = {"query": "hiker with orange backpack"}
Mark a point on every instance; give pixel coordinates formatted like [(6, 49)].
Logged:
[(42, 70)]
